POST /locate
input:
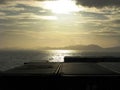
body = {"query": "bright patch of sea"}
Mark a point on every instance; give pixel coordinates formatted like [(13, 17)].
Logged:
[(13, 58)]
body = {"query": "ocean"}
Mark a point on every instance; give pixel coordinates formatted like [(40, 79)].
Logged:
[(14, 58)]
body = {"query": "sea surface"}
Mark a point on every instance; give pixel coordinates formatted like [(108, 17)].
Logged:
[(13, 58)]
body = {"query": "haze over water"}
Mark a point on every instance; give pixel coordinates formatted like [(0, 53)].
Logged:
[(13, 58)]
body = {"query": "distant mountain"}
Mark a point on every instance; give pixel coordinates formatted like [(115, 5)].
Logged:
[(91, 47), (84, 47)]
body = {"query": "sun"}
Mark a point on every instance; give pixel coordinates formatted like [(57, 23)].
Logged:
[(62, 6)]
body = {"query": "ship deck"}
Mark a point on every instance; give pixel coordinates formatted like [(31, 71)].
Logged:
[(61, 76)]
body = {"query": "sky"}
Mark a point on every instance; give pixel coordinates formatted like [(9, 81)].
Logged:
[(59, 23)]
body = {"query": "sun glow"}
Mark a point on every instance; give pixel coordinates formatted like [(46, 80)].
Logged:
[(62, 6)]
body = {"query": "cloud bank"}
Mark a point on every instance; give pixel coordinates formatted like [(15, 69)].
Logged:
[(99, 3), (88, 3)]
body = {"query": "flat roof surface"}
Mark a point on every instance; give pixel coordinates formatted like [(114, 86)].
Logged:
[(85, 69), (64, 69), (35, 68)]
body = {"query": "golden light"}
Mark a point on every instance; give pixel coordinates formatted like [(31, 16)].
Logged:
[(62, 6), (58, 55)]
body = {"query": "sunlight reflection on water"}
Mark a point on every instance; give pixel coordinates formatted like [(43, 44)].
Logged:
[(10, 59), (58, 55)]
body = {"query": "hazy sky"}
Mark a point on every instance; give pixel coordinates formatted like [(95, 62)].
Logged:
[(59, 23)]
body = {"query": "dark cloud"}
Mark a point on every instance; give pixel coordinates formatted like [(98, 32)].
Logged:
[(106, 33), (6, 21), (5, 1), (2, 1), (94, 15), (32, 9), (99, 3), (89, 3), (23, 8), (116, 28), (28, 9), (116, 21), (109, 32)]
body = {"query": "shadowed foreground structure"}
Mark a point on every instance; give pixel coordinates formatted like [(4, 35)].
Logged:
[(73, 75)]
